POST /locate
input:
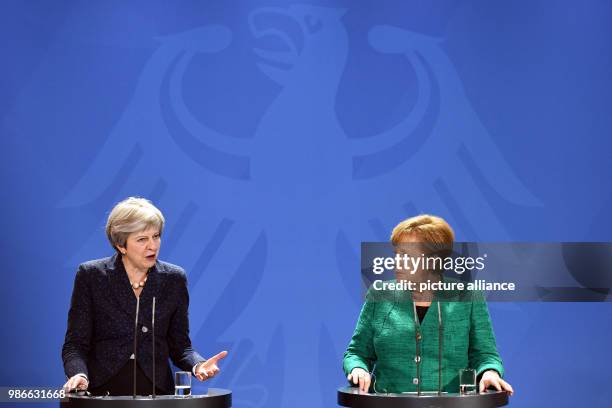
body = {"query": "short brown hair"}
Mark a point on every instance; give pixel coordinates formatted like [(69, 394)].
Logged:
[(429, 228)]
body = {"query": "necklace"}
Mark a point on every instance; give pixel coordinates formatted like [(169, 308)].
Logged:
[(137, 285)]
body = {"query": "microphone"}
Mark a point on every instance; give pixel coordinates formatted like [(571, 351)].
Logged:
[(153, 341), (135, 343), (417, 358), (440, 329)]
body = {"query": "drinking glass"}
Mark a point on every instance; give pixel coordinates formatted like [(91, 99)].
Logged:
[(182, 384), (467, 381)]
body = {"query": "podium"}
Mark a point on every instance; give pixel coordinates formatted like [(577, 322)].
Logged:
[(351, 397), (216, 398)]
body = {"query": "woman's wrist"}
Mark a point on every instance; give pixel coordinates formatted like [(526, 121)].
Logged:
[(195, 367)]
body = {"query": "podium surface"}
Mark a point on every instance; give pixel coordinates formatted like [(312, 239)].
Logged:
[(351, 397), (216, 398)]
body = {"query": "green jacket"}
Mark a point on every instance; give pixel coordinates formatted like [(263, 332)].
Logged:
[(384, 341)]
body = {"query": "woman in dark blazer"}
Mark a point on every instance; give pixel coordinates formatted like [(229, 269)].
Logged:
[(98, 351), (395, 346)]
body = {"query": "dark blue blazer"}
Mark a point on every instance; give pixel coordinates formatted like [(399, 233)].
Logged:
[(100, 334)]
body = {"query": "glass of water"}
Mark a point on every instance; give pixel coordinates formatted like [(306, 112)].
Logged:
[(467, 381), (182, 384)]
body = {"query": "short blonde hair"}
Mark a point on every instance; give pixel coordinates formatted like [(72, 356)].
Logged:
[(429, 228), (134, 214)]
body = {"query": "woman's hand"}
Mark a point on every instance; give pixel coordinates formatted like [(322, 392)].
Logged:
[(362, 377), (76, 382), (208, 369), (492, 378)]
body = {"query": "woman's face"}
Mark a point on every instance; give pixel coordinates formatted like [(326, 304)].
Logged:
[(142, 248), (409, 245)]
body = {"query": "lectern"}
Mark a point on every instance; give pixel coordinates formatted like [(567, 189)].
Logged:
[(216, 398), (351, 397)]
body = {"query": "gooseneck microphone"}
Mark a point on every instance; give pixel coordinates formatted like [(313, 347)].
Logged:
[(153, 341), (417, 357), (440, 330), (136, 343)]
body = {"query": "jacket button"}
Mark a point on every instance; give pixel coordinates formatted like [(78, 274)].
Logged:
[(418, 336), (415, 381), (144, 329), (417, 359)]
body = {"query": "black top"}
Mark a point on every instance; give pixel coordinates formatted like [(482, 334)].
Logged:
[(100, 334), (421, 312)]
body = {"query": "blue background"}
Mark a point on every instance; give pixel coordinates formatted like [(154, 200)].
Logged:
[(275, 137)]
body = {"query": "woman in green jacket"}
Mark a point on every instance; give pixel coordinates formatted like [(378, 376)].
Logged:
[(395, 347)]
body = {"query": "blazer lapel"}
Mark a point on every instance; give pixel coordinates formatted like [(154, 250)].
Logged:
[(124, 295), (120, 286)]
